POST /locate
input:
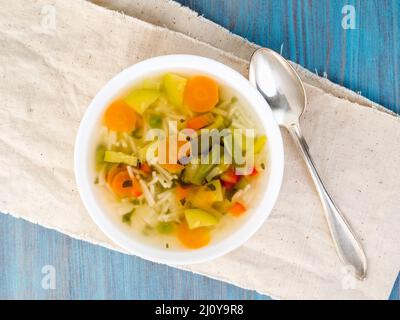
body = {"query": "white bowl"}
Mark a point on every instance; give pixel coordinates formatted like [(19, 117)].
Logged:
[(185, 64)]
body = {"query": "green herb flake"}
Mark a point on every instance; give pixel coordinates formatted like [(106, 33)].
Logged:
[(155, 121), (262, 166), (229, 194), (182, 201), (211, 187), (126, 218)]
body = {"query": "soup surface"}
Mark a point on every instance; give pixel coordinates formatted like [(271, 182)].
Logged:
[(178, 160)]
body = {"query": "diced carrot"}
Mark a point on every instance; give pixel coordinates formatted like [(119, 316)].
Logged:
[(113, 172), (230, 176), (123, 186), (181, 192), (200, 121), (201, 94), (237, 209), (227, 185), (173, 167), (120, 117), (254, 172), (195, 238)]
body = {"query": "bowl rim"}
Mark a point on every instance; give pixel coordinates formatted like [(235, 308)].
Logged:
[(158, 65)]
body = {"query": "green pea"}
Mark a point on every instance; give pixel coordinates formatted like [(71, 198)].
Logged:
[(155, 121), (165, 227)]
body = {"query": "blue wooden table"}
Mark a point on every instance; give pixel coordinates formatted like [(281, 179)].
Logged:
[(365, 59)]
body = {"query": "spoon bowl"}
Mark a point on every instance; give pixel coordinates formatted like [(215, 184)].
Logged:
[(280, 85)]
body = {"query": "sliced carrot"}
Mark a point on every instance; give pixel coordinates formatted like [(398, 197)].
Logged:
[(123, 186), (181, 192), (201, 94), (173, 167), (120, 117), (237, 209), (200, 121), (113, 172), (195, 238)]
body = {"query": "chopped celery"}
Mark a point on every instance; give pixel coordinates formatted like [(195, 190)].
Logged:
[(174, 87), (205, 196), (165, 227), (197, 218), (224, 104), (151, 84), (197, 173), (221, 168), (259, 143), (242, 183), (217, 124), (100, 154), (120, 157), (201, 173), (141, 99), (190, 172), (212, 174)]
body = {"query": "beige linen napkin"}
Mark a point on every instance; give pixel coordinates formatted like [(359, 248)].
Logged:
[(55, 56)]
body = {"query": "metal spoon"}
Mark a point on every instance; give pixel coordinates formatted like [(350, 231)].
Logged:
[(281, 86)]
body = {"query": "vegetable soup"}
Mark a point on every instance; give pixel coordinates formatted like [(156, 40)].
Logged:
[(178, 160)]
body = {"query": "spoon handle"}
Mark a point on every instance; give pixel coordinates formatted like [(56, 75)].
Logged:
[(346, 243)]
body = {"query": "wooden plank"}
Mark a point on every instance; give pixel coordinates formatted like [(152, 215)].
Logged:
[(86, 271), (365, 59)]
